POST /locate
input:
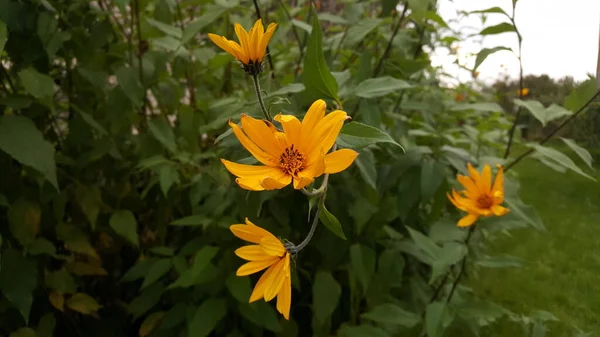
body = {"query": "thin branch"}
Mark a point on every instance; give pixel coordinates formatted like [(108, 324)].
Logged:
[(260, 98), (294, 29), (10, 82), (511, 132), (549, 136), (389, 45), (189, 74), (313, 227), (463, 264), (257, 9), (140, 52), (301, 46)]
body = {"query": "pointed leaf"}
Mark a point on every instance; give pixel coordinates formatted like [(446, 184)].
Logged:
[(18, 278), (40, 86), (326, 295), (581, 152), (362, 264), (380, 86), (503, 27), (484, 53), (331, 222), (83, 303), (123, 223), (163, 132), (158, 269), (392, 314), (357, 135), (208, 314)]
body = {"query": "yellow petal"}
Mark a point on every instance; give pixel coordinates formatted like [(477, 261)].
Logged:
[(256, 266), (254, 150), (264, 41), (251, 183), (315, 168), (275, 280), (302, 182), (261, 135), (498, 188), (259, 289), (474, 174), (277, 183), (455, 202), (272, 246), (243, 170), (252, 253), (325, 133), (486, 180), (313, 116), (499, 210), (256, 34), (339, 160), (472, 191), (242, 35), (467, 221), (292, 128), (226, 45), (284, 298), (249, 232)]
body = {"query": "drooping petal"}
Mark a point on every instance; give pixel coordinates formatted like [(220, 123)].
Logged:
[(256, 266), (226, 45), (486, 180), (272, 246), (292, 128), (264, 41), (277, 183), (242, 35), (498, 188), (251, 183), (258, 153), (302, 182), (252, 253), (313, 116), (284, 298), (275, 281), (259, 289), (467, 221), (261, 135), (339, 160), (455, 202), (499, 210), (249, 232)]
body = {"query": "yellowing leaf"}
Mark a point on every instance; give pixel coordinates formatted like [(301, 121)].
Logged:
[(150, 323), (57, 300), (83, 303), (24, 219)]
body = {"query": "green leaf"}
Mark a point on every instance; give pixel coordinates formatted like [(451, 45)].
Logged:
[(156, 271), (146, 300), (201, 262), (204, 20), (23, 332), (503, 27), (366, 166), (21, 140), (165, 28), (524, 212), (540, 112), (331, 222), (129, 81), (167, 176), (208, 314), (261, 314), (437, 317), (362, 264), (150, 323), (559, 158), (483, 107), (292, 88), (24, 219), (581, 152), (3, 36), (358, 31), (61, 281), (83, 303), (484, 53), (357, 135), (334, 18), (239, 287), (361, 331), (163, 132), (18, 278), (4, 201), (392, 314), (42, 246), (124, 224), (46, 326), (174, 317), (317, 77), (504, 261), (426, 245), (380, 86), (39, 85), (490, 10), (450, 254), (302, 25), (391, 266), (193, 220), (326, 295), (580, 95), (432, 176)]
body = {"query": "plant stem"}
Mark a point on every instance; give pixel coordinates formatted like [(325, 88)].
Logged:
[(257, 9), (463, 264), (558, 128), (389, 45), (313, 227), (294, 30), (260, 98), (511, 132)]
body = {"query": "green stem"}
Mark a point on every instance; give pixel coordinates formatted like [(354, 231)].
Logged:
[(260, 98)]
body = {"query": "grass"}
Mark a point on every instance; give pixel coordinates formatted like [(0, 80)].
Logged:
[(563, 271)]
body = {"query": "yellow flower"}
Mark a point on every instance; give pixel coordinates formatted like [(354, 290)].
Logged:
[(297, 154), (251, 49), (523, 93), (479, 198), (268, 252)]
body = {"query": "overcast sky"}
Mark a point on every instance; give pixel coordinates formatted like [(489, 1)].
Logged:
[(559, 38)]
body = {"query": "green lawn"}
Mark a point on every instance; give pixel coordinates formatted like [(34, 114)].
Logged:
[(563, 271)]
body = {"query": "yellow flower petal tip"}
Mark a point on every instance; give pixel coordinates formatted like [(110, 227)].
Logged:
[(298, 154), (252, 45), (480, 198), (268, 252)]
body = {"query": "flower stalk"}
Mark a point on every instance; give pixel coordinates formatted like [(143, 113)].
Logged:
[(260, 98)]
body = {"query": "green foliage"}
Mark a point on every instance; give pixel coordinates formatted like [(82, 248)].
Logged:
[(116, 207)]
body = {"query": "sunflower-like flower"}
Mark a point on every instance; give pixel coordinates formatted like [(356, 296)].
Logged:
[(251, 49), (267, 252), (297, 154), (479, 198)]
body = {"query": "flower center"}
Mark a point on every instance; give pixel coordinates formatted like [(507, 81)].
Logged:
[(291, 161), (485, 201)]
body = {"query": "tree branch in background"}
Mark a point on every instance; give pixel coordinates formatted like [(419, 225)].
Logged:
[(389, 45), (257, 9), (301, 46), (558, 128), (189, 74), (135, 15)]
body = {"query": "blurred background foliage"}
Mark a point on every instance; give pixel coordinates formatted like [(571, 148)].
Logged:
[(114, 206)]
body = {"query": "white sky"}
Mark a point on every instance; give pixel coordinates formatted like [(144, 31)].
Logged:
[(560, 38)]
